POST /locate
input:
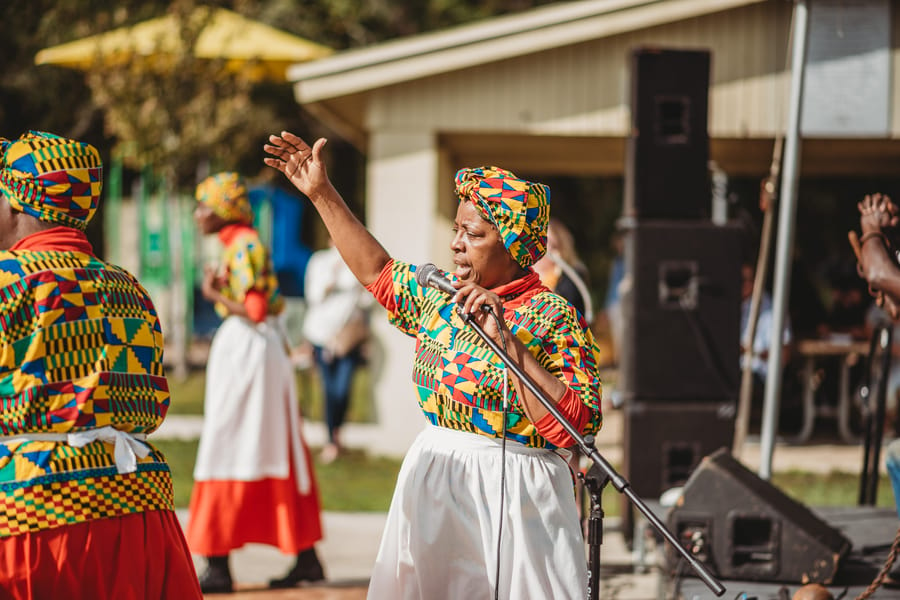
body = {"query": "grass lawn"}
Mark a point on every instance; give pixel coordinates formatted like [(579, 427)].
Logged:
[(361, 483), (354, 483), (187, 396)]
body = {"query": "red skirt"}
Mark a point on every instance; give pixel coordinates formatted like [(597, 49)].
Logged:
[(225, 515), (142, 555)]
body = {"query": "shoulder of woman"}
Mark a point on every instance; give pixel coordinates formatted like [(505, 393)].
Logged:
[(548, 305)]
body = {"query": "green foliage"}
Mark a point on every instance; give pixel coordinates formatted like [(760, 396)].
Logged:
[(173, 110), (186, 394), (344, 24), (179, 117)]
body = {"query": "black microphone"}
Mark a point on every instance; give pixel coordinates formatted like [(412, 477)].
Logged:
[(429, 275)]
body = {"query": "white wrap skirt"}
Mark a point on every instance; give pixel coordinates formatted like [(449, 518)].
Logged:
[(440, 539)]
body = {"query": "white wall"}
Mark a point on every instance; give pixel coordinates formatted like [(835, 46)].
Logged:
[(401, 207)]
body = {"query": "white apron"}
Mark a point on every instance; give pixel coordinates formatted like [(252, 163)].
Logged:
[(251, 423), (440, 539)]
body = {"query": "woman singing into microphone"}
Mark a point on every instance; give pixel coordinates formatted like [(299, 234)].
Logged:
[(484, 502)]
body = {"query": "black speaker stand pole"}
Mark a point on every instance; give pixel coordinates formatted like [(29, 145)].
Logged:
[(594, 481), (620, 483)]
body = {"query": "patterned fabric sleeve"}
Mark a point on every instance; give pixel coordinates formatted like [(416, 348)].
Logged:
[(397, 291), (561, 342), (249, 267)]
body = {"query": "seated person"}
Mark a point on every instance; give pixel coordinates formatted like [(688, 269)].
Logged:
[(849, 303), (845, 320)]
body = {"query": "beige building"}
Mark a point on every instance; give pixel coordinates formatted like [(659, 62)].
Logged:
[(546, 91)]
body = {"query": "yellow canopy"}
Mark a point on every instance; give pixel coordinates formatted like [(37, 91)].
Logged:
[(241, 42)]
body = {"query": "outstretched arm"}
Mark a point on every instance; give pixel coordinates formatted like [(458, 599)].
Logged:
[(878, 269), (303, 166)]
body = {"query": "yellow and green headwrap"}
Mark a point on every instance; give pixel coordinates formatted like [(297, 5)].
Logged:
[(519, 209), (52, 178), (226, 194)]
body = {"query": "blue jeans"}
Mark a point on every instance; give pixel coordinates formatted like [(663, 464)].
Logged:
[(337, 375), (892, 462)]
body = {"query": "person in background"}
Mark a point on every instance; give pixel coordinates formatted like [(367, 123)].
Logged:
[(483, 502), (86, 500), (850, 304), (612, 306), (561, 270), (336, 325), (758, 352), (253, 479)]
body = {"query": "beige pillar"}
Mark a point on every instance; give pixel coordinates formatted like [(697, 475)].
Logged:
[(401, 211)]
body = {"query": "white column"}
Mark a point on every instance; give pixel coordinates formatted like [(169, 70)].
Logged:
[(401, 211)]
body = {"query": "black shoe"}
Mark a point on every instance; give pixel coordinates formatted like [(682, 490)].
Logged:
[(216, 579), (307, 568)]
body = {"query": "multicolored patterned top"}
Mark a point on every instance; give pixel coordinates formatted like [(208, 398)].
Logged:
[(247, 265), (80, 348), (460, 380)]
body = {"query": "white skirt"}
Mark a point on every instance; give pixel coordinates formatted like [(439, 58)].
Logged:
[(440, 539), (251, 419)]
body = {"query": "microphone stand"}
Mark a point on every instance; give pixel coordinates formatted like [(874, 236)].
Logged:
[(586, 443)]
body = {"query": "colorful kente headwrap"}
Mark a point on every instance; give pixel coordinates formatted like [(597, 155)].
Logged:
[(52, 178), (519, 209), (226, 194)]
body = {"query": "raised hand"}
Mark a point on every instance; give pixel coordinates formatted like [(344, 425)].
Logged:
[(475, 300), (212, 284), (300, 163), (877, 212)]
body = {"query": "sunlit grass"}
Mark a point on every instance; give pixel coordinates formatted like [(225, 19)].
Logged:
[(187, 395), (355, 482)]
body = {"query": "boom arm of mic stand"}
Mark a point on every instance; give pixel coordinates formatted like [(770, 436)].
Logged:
[(620, 483)]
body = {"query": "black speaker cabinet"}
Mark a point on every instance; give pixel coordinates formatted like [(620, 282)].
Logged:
[(666, 172), (743, 527), (665, 442), (681, 305)]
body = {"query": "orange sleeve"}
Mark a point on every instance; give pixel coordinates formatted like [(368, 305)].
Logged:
[(257, 306), (383, 287), (575, 411)]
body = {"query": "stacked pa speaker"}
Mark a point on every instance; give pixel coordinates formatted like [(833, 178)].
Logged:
[(679, 365)]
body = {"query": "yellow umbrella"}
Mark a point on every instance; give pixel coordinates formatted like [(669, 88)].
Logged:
[(242, 43)]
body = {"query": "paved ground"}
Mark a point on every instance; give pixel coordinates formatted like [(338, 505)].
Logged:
[(351, 539), (349, 549)]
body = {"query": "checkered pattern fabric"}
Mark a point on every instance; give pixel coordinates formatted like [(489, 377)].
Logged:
[(80, 348), (248, 266), (519, 209), (460, 381), (52, 178), (226, 194)]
